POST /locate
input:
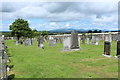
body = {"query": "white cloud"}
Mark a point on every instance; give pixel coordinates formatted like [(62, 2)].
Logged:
[(68, 24), (54, 12), (57, 11), (53, 24)]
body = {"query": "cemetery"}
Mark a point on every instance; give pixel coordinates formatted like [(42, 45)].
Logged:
[(70, 58), (59, 40)]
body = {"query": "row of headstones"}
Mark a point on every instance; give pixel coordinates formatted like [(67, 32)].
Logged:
[(25, 42), (3, 60), (95, 40), (107, 48), (73, 43), (41, 40)]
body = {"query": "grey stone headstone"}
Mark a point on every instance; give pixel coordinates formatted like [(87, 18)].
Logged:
[(52, 42), (74, 40), (97, 41), (93, 40), (29, 41), (87, 40), (40, 40), (67, 43), (26, 42), (16, 43), (108, 38)]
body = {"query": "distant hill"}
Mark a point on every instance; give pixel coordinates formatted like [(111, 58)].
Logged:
[(69, 30)]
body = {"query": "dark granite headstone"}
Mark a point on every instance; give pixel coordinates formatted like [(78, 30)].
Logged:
[(118, 48), (74, 40), (107, 48)]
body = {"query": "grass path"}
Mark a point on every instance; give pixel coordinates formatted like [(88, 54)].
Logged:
[(32, 62)]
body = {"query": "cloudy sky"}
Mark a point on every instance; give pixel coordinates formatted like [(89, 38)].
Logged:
[(61, 15)]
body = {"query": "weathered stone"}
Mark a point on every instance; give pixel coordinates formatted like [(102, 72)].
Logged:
[(74, 40)]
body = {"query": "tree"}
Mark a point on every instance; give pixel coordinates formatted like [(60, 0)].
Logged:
[(20, 28), (44, 33), (95, 31), (90, 31), (100, 31), (35, 33)]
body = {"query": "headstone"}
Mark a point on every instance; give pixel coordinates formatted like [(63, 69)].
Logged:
[(107, 47), (97, 41), (16, 42), (71, 42), (67, 43), (26, 42), (29, 41), (32, 40), (83, 40), (40, 42), (93, 40), (118, 47), (74, 40), (87, 40), (52, 42)]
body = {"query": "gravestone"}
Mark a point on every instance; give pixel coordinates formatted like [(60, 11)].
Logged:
[(67, 43), (107, 47), (32, 41), (87, 40), (26, 42), (29, 41), (118, 47), (52, 42), (93, 40), (16, 42), (83, 39), (74, 40), (71, 42), (40, 42), (97, 41)]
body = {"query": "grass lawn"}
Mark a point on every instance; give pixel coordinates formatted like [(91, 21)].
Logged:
[(32, 62)]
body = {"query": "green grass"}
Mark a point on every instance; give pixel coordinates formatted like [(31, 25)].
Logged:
[(32, 62)]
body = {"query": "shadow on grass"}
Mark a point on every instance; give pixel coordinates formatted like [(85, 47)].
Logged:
[(11, 77)]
